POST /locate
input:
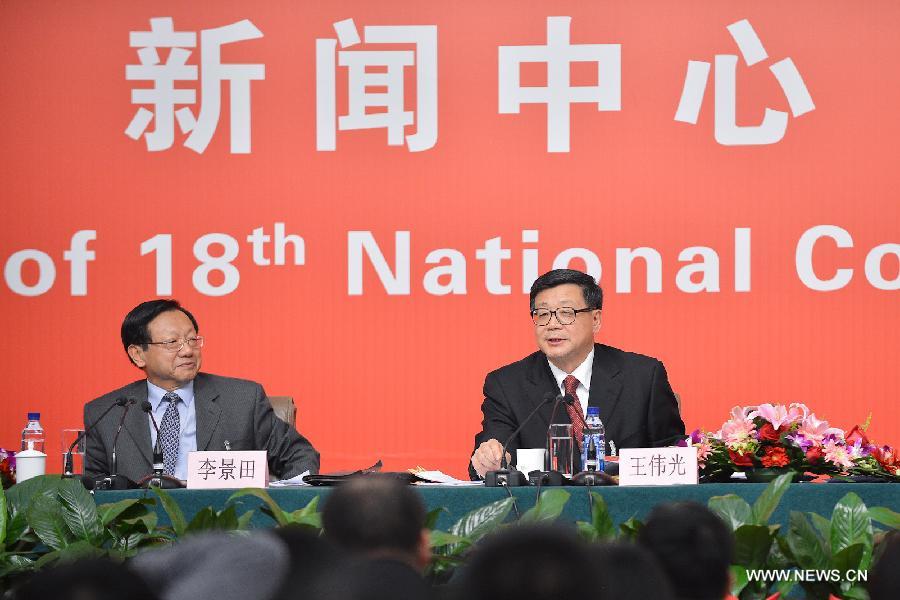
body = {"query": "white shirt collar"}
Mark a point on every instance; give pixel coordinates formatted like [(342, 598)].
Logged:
[(155, 394), (582, 372)]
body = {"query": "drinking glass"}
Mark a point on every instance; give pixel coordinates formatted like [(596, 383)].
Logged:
[(561, 447), (68, 437)]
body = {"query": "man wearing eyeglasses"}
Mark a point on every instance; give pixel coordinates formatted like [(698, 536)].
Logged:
[(637, 405), (194, 410)]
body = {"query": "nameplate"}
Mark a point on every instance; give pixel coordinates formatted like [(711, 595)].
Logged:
[(658, 466), (220, 469)]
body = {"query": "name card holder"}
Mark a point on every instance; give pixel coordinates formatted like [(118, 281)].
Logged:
[(658, 466), (223, 469)]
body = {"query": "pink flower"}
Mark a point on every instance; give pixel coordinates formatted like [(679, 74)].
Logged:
[(836, 453), (779, 416), (815, 430), (738, 429)]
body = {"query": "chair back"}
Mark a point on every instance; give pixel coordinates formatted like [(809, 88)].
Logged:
[(285, 409)]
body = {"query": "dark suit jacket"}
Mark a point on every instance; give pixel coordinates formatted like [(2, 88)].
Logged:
[(229, 409), (637, 406)]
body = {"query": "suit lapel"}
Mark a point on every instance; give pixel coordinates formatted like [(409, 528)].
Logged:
[(606, 383), (541, 380), (206, 409), (137, 423)]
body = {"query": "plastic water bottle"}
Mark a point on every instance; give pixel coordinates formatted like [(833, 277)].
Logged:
[(593, 447), (33, 434)]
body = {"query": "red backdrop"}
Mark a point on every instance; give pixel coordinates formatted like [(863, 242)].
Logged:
[(398, 376)]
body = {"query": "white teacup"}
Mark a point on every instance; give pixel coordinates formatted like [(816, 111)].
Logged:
[(530, 459), (30, 463)]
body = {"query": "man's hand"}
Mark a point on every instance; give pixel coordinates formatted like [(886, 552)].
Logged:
[(487, 457)]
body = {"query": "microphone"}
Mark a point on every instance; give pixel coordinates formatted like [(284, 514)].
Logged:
[(68, 467), (158, 478), (114, 481), (503, 476)]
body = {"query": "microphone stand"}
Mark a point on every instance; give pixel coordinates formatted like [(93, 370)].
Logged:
[(514, 478), (114, 481), (158, 478), (548, 476), (67, 463)]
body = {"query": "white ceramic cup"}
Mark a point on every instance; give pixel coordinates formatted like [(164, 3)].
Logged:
[(30, 463), (530, 459)]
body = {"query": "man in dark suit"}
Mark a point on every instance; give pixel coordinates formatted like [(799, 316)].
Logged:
[(194, 410), (637, 405)]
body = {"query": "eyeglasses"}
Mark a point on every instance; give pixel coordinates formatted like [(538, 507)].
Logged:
[(564, 316), (177, 345)]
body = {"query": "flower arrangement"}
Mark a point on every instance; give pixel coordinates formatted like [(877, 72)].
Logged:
[(792, 438), (7, 468)]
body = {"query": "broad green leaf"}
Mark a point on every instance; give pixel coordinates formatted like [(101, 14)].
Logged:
[(204, 520), (433, 515), (244, 520), (739, 580), (480, 521), (733, 509), (20, 495), (44, 516), (309, 515), (130, 543), (630, 528), (80, 511), (176, 515), (822, 525), (881, 514), (46, 559), (15, 528), (275, 511), (850, 558), (79, 549), (108, 512), (751, 546), (809, 549), (586, 531), (4, 516), (855, 592), (442, 538), (768, 501), (227, 519), (850, 525), (548, 507), (600, 519)]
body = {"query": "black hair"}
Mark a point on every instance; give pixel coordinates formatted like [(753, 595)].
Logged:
[(592, 292), (626, 571), (374, 513), (528, 562), (134, 328), (694, 547)]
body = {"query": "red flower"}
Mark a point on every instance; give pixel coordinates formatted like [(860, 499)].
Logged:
[(767, 433), (856, 434), (814, 455), (774, 456), (741, 460), (888, 458)]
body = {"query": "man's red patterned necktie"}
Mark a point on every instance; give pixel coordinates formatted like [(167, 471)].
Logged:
[(570, 384)]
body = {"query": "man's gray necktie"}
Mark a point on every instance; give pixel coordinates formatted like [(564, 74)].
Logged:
[(170, 432)]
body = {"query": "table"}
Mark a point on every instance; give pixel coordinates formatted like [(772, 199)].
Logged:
[(623, 502)]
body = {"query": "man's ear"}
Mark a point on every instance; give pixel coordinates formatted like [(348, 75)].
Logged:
[(137, 356), (596, 320)]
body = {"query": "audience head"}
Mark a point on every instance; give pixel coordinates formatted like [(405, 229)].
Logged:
[(694, 547), (378, 516), (527, 563), (86, 579), (884, 577), (626, 571), (316, 567)]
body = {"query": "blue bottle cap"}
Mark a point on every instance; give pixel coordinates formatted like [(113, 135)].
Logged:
[(34, 416), (593, 411)]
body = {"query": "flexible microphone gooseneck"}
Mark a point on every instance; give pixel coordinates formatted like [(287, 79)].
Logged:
[(114, 463), (503, 476), (68, 467)]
